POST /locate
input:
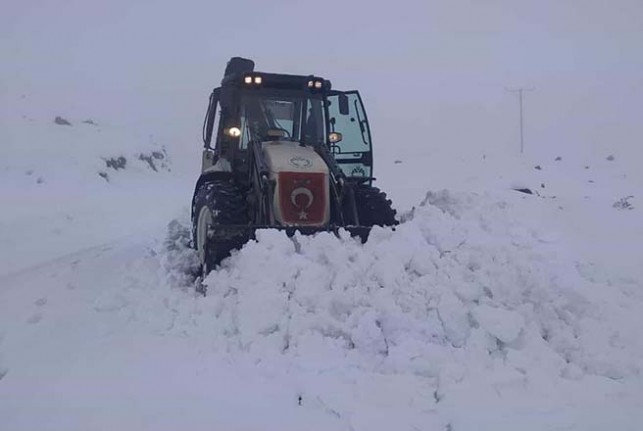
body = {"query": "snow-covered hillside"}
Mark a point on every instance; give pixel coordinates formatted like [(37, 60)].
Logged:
[(487, 308), (69, 183)]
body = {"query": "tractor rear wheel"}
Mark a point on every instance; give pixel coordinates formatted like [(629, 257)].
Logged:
[(216, 203), (373, 208)]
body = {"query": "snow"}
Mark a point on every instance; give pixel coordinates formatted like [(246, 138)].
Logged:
[(59, 193), (486, 308)]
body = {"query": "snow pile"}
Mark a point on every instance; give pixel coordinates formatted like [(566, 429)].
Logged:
[(590, 199), (487, 310)]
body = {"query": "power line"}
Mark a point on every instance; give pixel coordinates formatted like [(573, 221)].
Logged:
[(520, 91)]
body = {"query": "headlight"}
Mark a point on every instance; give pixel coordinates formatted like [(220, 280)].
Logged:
[(335, 137), (235, 132)]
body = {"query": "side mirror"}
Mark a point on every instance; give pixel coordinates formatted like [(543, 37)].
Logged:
[(335, 137), (343, 104)]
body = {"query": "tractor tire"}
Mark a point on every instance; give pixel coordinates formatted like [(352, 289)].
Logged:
[(216, 203), (373, 208)]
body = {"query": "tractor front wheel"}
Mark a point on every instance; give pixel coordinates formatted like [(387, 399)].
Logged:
[(216, 204)]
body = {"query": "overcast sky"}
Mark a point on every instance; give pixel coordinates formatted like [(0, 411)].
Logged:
[(433, 73)]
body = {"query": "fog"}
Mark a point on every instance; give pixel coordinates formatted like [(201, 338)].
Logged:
[(432, 73)]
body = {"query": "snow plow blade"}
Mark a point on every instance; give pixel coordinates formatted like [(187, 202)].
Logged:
[(244, 233)]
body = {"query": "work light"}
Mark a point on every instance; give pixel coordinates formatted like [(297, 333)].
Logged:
[(235, 132)]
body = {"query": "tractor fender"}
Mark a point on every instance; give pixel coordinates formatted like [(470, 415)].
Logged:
[(221, 170)]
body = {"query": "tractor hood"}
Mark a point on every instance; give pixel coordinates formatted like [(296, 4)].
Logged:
[(287, 156), (302, 195)]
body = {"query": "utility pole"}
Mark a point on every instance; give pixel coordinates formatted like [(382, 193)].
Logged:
[(520, 91)]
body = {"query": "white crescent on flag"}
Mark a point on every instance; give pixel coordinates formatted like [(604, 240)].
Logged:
[(301, 191)]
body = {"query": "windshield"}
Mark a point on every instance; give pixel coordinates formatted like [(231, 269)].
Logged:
[(297, 118)]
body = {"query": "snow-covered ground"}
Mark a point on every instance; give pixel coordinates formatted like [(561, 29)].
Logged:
[(486, 308)]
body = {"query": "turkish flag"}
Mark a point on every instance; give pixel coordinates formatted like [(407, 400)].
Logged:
[(302, 197)]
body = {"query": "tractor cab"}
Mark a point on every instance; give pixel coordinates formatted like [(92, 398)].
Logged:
[(260, 107)]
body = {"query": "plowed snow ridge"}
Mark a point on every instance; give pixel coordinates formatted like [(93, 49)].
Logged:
[(481, 308), (453, 280)]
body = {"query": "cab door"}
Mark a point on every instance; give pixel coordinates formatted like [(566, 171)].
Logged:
[(346, 115)]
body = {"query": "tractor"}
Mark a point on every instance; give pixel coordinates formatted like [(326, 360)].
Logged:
[(289, 153)]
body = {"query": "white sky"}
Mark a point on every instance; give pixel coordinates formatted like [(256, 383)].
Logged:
[(433, 73)]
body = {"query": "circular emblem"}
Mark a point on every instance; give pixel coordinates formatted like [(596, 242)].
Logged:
[(300, 162)]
